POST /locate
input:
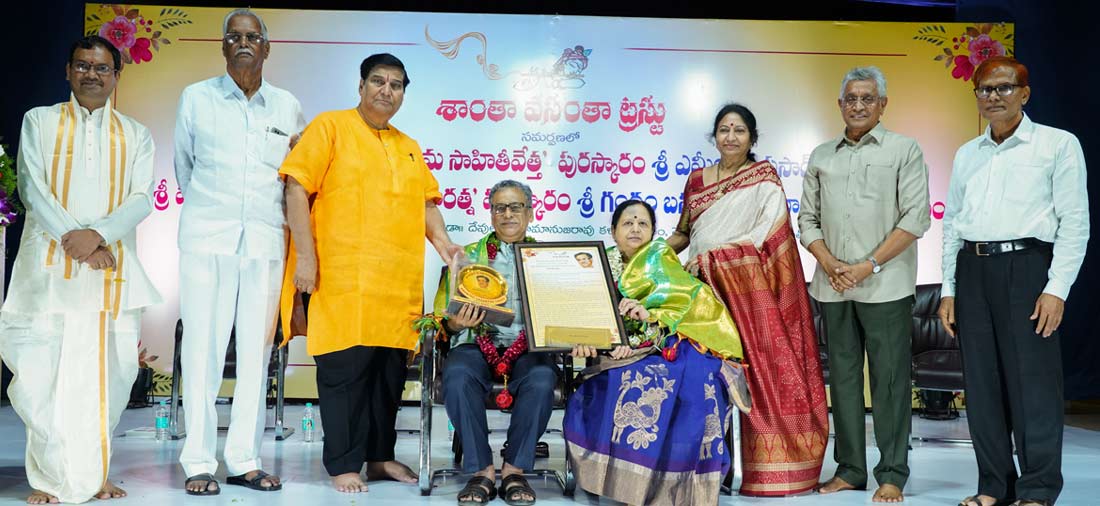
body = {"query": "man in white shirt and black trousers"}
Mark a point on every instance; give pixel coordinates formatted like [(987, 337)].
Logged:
[(1014, 235), (232, 133)]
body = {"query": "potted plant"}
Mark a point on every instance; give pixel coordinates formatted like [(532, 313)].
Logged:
[(142, 391)]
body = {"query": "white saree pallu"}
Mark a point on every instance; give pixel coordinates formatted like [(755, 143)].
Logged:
[(73, 374)]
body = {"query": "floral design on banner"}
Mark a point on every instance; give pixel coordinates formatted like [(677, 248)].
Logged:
[(135, 34), (963, 53)]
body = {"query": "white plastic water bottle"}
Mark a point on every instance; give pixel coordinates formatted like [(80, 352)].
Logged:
[(450, 431), (161, 413), (307, 423)]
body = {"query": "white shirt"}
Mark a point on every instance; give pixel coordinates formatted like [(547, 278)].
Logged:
[(228, 152), (1031, 185), (110, 199)]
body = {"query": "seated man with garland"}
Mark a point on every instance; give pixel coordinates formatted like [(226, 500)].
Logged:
[(480, 352)]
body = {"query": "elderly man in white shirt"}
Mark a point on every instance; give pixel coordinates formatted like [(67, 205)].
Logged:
[(1014, 236), (232, 133), (70, 326)]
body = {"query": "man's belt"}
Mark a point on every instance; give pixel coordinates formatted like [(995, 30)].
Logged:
[(987, 248)]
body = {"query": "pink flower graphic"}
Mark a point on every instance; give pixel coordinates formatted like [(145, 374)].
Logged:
[(962, 54), (120, 31), (140, 51), (982, 48), (963, 68)]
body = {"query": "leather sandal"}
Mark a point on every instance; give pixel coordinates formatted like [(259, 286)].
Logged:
[(256, 483), (512, 487), (479, 489), (208, 478)]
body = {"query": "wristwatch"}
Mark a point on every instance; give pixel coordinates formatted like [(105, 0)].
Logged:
[(875, 267)]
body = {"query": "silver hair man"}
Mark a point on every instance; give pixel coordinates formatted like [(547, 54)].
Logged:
[(871, 73), (509, 183), (243, 12)]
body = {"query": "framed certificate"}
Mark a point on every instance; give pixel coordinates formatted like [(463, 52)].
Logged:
[(568, 296)]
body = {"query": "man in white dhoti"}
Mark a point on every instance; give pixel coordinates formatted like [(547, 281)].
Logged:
[(69, 327), (232, 133)]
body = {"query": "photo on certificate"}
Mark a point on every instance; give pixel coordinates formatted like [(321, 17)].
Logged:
[(568, 296)]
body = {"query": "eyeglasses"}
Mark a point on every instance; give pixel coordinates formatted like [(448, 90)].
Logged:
[(234, 37), (1002, 90), (515, 207), (867, 100), (83, 67)]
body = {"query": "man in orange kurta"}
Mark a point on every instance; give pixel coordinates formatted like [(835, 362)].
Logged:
[(359, 250)]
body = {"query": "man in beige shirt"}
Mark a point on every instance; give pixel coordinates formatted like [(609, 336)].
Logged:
[(864, 204)]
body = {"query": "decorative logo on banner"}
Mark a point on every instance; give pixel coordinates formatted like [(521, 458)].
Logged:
[(970, 48), (449, 49)]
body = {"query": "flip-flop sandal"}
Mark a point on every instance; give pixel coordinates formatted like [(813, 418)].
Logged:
[(513, 486), (208, 478), (480, 489), (256, 483)]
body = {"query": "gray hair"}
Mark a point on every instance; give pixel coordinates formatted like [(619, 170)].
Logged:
[(871, 73), (243, 12), (509, 183)]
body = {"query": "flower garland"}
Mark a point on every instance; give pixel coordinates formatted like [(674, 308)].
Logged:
[(492, 245), (501, 365), (615, 262)]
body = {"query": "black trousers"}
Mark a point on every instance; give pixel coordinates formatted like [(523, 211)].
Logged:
[(359, 391), (1013, 375)]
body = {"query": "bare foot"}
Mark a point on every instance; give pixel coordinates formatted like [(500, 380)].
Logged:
[(979, 500), (835, 484), (349, 483), (268, 481), (40, 497), (110, 491), (888, 493), (391, 470)]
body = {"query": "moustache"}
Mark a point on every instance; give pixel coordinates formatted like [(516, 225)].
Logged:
[(244, 50), (91, 81)]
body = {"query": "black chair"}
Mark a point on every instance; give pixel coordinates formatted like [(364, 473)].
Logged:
[(432, 359), (937, 369), (276, 375), (822, 343)]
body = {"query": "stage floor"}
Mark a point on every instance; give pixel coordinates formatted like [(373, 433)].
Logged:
[(941, 473)]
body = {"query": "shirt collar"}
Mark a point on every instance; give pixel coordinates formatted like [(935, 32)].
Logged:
[(84, 113), (229, 88), (875, 135), (1022, 134)]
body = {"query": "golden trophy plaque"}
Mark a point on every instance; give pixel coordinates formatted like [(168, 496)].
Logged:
[(484, 287)]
